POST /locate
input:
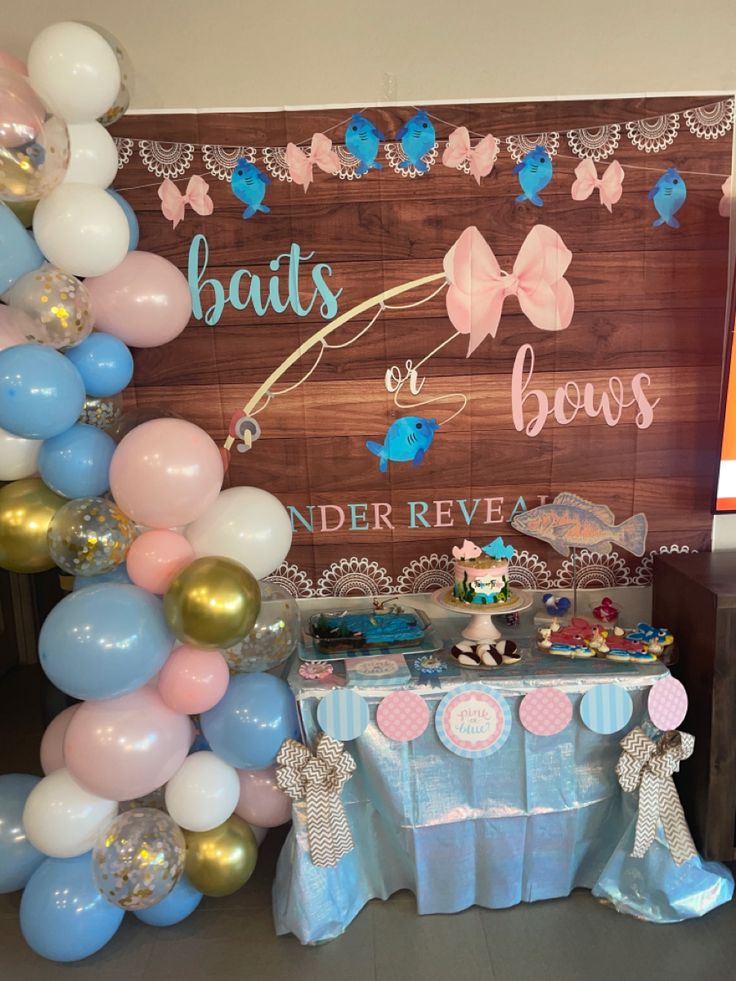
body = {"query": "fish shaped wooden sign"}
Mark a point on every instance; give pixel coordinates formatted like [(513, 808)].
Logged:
[(572, 522)]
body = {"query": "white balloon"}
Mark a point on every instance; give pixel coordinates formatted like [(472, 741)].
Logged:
[(62, 819), (81, 229), (93, 155), (18, 456), (246, 524), (203, 792), (74, 70)]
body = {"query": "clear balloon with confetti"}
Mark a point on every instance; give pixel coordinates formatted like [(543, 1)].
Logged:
[(139, 859), (57, 304), (90, 536), (273, 638)]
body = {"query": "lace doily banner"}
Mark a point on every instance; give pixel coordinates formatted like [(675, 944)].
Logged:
[(411, 331), (650, 135)]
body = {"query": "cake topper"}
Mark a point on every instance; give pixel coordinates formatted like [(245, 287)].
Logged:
[(497, 550)]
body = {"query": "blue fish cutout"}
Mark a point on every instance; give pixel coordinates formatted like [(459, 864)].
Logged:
[(534, 171), (497, 550), (408, 438), (668, 195), (363, 140), (249, 185), (417, 138)]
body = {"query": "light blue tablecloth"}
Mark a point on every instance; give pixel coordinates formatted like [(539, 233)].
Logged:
[(535, 820)]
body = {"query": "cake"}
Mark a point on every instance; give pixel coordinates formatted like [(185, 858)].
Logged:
[(482, 574), (357, 631)]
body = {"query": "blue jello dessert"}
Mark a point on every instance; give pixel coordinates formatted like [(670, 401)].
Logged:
[(350, 631)]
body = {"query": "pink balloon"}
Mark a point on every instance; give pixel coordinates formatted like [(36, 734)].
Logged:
[(166, 472), (193, 680), (155, 557), (145, 301), (126, 747), (15, 326), (10, 63), (261, 801), (52, 743)]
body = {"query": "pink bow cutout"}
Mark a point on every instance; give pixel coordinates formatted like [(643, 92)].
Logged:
[(301, 166), (478, 285), (173, 202), (481, 157), (724, 205), (609, 186)]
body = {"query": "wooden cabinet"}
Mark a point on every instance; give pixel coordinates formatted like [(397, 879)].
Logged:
[(695, 596)]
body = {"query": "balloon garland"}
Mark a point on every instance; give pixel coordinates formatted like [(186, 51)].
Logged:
[(166, 564)]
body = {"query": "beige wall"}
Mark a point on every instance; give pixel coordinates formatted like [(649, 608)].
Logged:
[(246, 53)]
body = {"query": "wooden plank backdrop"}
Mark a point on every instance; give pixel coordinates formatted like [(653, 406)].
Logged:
[(647, 300)]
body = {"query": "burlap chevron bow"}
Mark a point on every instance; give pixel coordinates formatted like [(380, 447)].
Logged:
[(318, 779), (649, 766)]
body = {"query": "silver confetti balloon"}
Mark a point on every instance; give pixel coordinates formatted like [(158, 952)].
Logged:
[(273, 638)]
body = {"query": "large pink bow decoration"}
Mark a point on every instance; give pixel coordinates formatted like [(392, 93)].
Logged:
[(174, 203), (301, 165), (478, 285), (481, 157), (724, 205), (609, 186)]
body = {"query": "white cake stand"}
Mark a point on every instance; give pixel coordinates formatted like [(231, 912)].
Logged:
[(481, 628)]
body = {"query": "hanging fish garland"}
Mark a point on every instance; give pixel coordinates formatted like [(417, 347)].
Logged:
[(363, 140), (534, 171), (668, 196)]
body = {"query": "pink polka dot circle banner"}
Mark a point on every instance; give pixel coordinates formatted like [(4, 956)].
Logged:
[(402, 716), (545, 711), (667, 704)]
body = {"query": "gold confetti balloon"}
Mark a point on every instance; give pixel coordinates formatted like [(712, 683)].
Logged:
[(90, 536), (139, 859), (103, 413), (57, 303), (221, 860), (34, 146), (212, 602), (26, 510)]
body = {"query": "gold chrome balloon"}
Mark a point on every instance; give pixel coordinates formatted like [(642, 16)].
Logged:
[(213, 602), (90, 536), (57, 303), (26, 510), (222, 860)]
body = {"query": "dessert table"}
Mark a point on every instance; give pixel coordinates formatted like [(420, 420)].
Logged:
[(542, 816)]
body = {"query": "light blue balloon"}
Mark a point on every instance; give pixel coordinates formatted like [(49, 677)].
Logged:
[(250, 722), (118, 574), (63, 916), (41, 392), (177, 906), (130, 215), (76, 463), (19, 253), (104, 362), (104, 641), (18, 858)]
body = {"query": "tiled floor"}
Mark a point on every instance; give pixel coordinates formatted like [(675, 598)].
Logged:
[(573, 939)]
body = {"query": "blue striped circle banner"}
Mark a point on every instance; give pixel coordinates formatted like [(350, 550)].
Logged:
[(343, 714), (606, 708)]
